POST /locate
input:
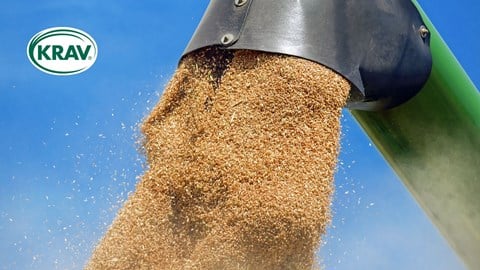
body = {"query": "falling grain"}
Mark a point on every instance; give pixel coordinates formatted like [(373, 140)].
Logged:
[(241, 150)]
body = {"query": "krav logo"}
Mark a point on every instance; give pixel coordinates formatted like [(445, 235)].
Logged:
[(62, 51)]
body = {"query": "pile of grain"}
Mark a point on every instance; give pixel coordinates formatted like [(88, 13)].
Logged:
[(242, 150)]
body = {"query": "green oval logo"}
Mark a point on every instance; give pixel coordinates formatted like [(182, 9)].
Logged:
[(62, 51)]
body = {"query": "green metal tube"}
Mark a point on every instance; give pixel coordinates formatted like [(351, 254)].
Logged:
[(433, 144)]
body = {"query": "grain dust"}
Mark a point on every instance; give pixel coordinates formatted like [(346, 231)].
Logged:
[(241, 150)]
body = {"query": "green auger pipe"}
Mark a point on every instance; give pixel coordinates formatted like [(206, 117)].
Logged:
[(433, 144)]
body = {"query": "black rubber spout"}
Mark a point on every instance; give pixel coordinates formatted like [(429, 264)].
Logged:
[(381, 46)]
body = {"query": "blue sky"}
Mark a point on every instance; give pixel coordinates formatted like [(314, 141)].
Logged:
[(68, 145)]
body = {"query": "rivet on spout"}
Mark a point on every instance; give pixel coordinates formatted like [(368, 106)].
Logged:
[(227, 39), (240, 3), (424, 32)]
